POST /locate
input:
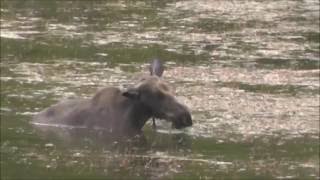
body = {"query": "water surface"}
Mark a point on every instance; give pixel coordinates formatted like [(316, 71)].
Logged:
[(248, 70)]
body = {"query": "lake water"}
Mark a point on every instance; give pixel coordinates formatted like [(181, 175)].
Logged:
[(248, 70)]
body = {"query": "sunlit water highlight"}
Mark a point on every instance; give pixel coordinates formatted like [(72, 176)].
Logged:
[(248, 71)]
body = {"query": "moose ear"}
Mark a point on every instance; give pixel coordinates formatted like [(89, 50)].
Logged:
[(156, 68), (131, 93)]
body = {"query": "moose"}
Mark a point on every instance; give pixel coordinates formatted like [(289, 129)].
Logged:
[(122, 111)]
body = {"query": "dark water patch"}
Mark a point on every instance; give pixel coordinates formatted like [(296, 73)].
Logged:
[(216, 25), (114, 13), (254, 23), (210, 47), (6, 73), (35, 51), (145, 54), (223, 150), (292, 90), (21, 92), (313, 37), (239, 46), (284, 147), (295, 18), (114, 53), (28, 103), (63, 11), (279, 63), (200, 170)]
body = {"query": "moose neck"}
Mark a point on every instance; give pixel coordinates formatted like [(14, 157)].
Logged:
[(138, 115)]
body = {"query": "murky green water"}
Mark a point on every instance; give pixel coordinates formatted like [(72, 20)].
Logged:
[(248, 70)]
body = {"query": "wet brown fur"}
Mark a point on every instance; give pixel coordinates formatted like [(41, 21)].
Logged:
[(120, 111)]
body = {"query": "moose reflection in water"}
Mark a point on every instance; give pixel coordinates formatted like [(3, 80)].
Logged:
[(121, 112)]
